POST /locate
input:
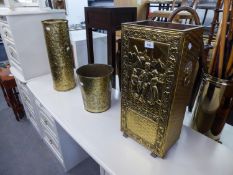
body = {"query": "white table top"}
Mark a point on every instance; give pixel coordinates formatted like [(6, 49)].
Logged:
[(80, 35), (226, 136), (100, 136)]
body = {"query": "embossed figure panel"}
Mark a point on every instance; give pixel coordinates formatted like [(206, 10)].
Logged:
[(147, 73), (158, 63)]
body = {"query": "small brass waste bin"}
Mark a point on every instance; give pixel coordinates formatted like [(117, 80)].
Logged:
[(95, 86)]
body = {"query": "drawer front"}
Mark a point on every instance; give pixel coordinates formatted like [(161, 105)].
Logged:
[(46, 119), (3, 19), (11, 51), (16, 66), (49, 130), (46, 116), (32, 118), (29, 107), (48, 123), (27, 93), (20, 84), (20, 87), (29, 114), (35, 124), (6, 32), (49, 135), (56, 153), (27, 98), (24, 89), (21, 95)]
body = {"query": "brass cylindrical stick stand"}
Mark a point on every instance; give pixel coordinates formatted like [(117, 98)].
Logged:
[(60, 53), (212, 106)]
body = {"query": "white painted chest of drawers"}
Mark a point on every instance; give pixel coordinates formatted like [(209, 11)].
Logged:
[(23, 38), (65, 149)]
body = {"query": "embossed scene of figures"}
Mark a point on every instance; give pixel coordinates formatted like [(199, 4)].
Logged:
[(148, 72)]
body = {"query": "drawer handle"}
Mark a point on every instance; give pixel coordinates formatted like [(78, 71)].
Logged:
[(12, 54), (46, 122), (2, 18), (38, 104), (26, 98), (6, 33), (29, 114)]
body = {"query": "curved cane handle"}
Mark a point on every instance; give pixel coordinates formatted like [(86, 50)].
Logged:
[(188, 9)]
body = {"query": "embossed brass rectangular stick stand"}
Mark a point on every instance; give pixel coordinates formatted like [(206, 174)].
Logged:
[(158, 68)]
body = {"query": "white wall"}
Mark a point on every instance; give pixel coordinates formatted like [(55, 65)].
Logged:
[(75, 10)]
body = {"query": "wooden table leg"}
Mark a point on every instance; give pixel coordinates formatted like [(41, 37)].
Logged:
[(5, 96), (13, 104), (90, 51), (111, 37), (9, 86), (147, 10)]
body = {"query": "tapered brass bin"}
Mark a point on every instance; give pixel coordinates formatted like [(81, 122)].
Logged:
[(95, 86)]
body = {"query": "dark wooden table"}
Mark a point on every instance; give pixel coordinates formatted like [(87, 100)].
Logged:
[(110, 19)]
